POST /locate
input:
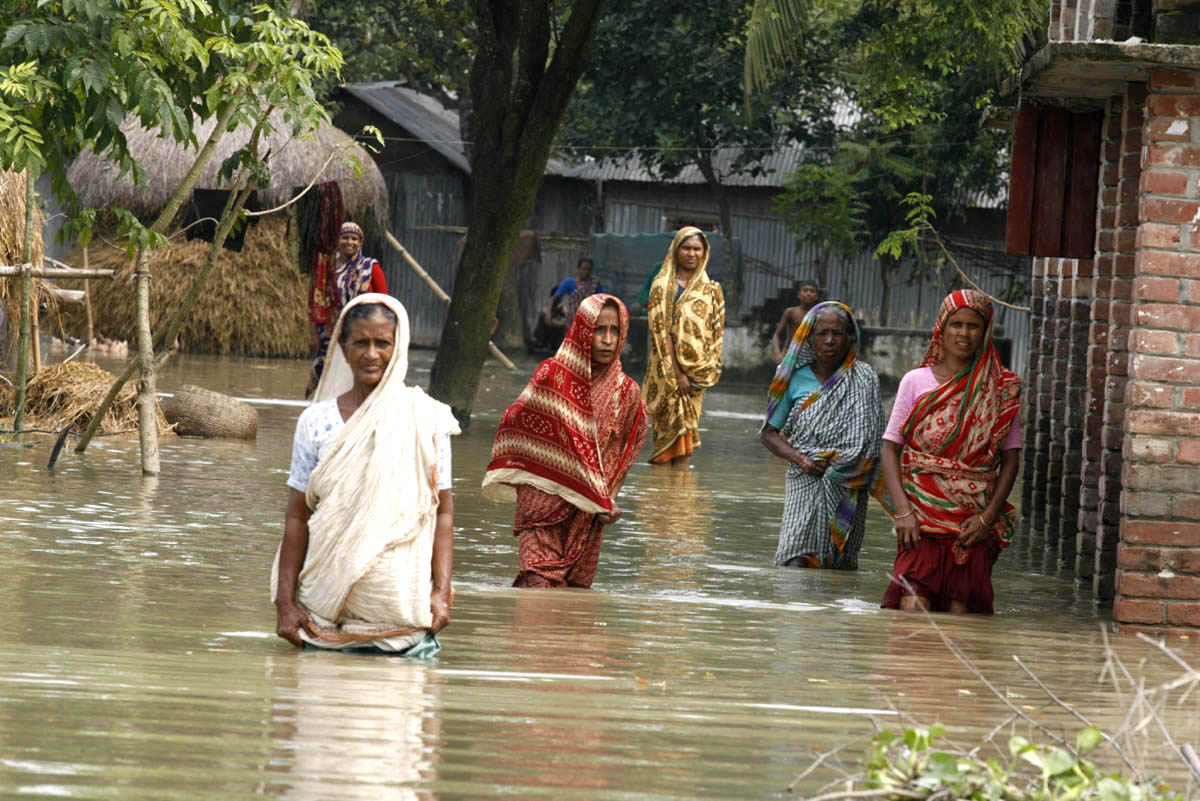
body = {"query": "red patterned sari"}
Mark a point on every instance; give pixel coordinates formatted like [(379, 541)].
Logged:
[(563, 449), (949, 466)]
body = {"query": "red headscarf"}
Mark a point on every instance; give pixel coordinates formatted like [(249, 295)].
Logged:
[(553, 437)]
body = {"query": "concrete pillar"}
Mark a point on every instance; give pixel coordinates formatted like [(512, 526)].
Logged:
[(1158, 577)]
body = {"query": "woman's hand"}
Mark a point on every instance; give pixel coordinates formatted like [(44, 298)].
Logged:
[(606, 518), (908, 531), (814, 467), (289, 620), (439, 605), (682, 385), (974, 531)]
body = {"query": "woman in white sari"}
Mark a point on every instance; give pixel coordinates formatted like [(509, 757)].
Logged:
[(368, 543)]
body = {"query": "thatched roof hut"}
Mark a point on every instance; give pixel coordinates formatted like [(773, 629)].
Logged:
[(12, 248), (293, 162)]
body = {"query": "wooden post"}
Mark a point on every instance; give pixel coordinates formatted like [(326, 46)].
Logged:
[(87, 304), (26, 291), (35, 328), (440, 293)]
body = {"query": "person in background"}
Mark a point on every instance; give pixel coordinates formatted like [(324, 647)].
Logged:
[(336, 282), (686, 315), (825, 418), (563, 448), (950, 457), (576, 288), (368, 542), (807, 295)]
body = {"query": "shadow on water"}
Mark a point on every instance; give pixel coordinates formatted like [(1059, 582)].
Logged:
[(140, 661)]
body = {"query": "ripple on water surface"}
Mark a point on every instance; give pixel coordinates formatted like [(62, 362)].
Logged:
[(140, 661)]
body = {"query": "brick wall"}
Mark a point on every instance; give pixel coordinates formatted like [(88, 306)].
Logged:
[(1082, 20), (1039, 388), (1158, 577), (1088, 567), (1076, 292)]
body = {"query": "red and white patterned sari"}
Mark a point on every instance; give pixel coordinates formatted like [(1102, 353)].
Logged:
[(563, 449)]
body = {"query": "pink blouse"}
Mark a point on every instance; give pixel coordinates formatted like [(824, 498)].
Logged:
[(915, 385)]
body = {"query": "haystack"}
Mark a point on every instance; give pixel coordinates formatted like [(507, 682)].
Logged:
[(293, 162), (254, 302), (12, 248), (66, 395)]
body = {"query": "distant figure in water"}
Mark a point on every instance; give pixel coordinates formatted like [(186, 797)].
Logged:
[(564, 447), (950, 458), (686, 314), (825, 418), (368, 541), (808, 294), (338, 278)]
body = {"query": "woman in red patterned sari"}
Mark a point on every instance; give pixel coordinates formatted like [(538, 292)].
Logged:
[(950, 457), (563, 449)]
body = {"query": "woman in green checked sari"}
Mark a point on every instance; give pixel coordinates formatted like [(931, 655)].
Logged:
[(825, 418)]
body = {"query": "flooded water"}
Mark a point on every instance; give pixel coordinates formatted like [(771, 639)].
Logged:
[(139, 660)]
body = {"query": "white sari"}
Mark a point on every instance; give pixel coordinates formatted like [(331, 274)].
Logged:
[(367, 576)]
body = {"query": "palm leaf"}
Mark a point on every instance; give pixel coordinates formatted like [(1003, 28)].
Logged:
[(772, 33)]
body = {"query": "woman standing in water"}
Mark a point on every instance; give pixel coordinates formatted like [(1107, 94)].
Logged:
[(825, 418), (564, 447), (950, 459), (686, 314), (334, 285), (368, 542)]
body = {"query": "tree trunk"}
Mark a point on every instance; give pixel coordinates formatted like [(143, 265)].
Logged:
[(147, 400), (519, 92), (734, 281)]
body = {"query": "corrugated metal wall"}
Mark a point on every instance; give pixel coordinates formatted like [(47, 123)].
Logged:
[(772, 261), (419, 201)]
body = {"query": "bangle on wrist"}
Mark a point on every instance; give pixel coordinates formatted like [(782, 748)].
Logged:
[(986, 524), (906, 514)]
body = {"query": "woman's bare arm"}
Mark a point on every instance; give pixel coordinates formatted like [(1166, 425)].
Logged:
[(773, 441), (976, 529), (443, 561), (908, 528), (290, 618)]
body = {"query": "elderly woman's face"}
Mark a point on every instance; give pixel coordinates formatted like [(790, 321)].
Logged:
[(368, 350), (830, 339)]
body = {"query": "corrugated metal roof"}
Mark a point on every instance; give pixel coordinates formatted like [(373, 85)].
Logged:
[(427, 120)]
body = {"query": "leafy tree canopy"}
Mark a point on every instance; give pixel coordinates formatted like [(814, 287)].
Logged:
[(72, 70)]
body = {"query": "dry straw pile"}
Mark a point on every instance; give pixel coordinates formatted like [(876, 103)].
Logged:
[(67, 394), (12, 247), (254, 302)]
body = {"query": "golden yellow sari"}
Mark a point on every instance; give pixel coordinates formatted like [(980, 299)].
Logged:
[(694, 319)]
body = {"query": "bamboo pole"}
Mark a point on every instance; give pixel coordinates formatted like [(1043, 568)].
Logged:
[(440, 293), (35, 331), (87, 304), (26, 291), (53, 272)]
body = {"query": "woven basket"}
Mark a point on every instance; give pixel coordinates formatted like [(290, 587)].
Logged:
[(199, 412)]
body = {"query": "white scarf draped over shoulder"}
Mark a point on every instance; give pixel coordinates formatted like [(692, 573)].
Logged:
[(367, 576)]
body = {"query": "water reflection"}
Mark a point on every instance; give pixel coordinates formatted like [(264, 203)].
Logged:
[(347, 726)]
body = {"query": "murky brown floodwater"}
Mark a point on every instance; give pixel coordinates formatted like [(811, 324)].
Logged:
[(139, 662)]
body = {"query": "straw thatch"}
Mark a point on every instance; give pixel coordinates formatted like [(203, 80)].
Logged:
[(67, 394), (12, 248), (293, 163), (254, 302)]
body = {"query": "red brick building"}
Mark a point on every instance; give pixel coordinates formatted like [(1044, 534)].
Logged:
[(1105, 196)]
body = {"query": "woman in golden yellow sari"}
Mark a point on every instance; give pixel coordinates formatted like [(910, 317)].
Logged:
[(687, 320)]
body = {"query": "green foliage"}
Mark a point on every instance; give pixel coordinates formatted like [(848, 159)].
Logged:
[(918, 218), (908, 51), (664, 83), (427, 45), (823, 204), (72, 70), (908, 762)]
